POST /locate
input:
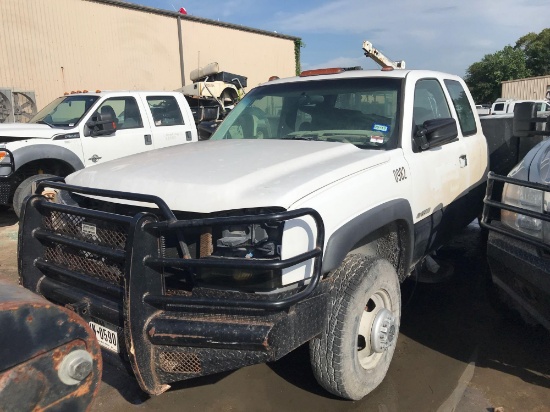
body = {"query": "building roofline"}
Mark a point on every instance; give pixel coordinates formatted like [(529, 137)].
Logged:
[(526, 78), (168, 13)]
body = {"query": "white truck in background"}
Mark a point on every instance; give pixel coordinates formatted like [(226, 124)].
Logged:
[(503, 106), (86, 128)]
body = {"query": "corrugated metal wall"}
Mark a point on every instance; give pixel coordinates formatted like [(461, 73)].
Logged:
[(535, 88), (54, 46)]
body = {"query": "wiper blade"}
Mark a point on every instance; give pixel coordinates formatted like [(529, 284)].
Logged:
[(45, 122), (301, 137)]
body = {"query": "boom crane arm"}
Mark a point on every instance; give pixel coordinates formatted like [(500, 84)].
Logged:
[(379, 57)]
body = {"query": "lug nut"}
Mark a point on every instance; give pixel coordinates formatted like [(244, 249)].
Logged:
[(75, 367), (79, 368)]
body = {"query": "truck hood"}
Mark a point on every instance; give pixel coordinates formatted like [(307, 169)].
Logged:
[(535, 166), (11, 132), (231, 174)]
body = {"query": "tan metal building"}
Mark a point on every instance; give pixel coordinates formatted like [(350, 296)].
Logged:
[(55, 46), (533, 88)]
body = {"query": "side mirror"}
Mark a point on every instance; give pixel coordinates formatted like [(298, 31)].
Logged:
[(101, 125), (436, 132)]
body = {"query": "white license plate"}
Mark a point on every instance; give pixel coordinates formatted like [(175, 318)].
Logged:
[(106, 337)]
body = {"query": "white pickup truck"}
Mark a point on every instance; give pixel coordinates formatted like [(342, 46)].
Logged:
[(503, 106), (65, 136), (296, 222)]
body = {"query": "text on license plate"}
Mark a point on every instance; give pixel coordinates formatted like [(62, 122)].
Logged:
[(106, 337)]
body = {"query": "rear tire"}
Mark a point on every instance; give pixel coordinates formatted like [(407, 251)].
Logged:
[(24, 190), (352, 355)]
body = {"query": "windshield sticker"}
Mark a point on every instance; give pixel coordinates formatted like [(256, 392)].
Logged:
[(381, 128), (376, 139)]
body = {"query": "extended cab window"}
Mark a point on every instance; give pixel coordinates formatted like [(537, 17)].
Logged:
[(463, 108), (124, 111), (165, 110), (360, 111)]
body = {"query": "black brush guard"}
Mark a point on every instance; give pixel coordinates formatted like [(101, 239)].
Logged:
[(118, 277), (492, 208), (5, 179)]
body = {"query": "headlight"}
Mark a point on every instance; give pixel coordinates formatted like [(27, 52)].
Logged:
[(255, 241), (4, 159), (249, 241), (528, 198), (252, 241), (525, 198)]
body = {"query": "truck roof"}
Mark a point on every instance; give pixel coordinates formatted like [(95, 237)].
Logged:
[(109, 92), (396, 73)]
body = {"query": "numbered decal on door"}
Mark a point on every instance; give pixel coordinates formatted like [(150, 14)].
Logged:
[(400, 174)]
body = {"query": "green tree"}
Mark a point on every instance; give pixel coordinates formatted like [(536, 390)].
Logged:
[(484, 78), (537, 52)]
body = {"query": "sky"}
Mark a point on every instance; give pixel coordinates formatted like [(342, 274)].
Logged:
[(428, 34)]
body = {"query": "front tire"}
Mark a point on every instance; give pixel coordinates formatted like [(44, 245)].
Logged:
[(24, 190), (352, 355)]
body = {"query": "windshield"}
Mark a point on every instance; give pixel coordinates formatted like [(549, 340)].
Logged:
[(361, 111), (65, 111)]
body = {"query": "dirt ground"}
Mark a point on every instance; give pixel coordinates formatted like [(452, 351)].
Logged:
[(8, 246), (454, 353)]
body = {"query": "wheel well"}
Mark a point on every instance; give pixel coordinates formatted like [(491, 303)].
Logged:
[(389, 242), (43, 166)]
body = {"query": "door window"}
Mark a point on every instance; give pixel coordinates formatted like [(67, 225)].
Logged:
[(429, 102), (165, 110), (124, 111), (462, 106)]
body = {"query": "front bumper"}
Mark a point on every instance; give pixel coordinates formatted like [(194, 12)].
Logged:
[(7, 185), (523, 274), (520, 264), (166, 336)]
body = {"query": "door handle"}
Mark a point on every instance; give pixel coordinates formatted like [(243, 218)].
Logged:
[(463, 161), (148, 139)]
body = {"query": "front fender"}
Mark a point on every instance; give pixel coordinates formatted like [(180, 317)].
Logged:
[(27, 154), (343, 239)]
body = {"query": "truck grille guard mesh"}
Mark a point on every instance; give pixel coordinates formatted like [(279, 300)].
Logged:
[(71, 252), (492, 208)]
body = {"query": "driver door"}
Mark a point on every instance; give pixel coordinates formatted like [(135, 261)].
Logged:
[(132, 135), (440, 172)]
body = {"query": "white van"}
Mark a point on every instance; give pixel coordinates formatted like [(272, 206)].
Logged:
[(501, 106)]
